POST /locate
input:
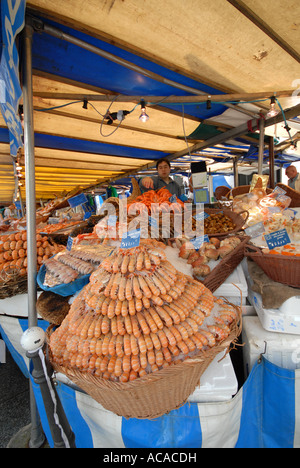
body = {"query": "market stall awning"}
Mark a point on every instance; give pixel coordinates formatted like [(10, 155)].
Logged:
[(108, 55)]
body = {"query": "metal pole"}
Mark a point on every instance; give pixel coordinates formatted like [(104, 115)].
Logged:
[(271, 162), (235, 171), (37, 436), (33, 341), (261, 146)]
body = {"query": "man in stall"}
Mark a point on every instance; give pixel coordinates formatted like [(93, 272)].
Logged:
[(163, 179), (294, 178)]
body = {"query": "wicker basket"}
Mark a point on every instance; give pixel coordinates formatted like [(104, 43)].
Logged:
[(226, 266), (238, 219), (12, 283), (154, 394), (280, 268), (52, 307)]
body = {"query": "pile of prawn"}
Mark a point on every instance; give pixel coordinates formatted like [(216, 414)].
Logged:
[(155, 199), (137, 315)]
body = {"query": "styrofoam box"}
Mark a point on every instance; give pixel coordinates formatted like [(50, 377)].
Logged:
[(217, 383), (286, 319), (233, 286), (281, 349)]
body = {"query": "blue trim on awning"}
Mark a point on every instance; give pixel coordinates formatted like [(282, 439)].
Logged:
[(64, 59)]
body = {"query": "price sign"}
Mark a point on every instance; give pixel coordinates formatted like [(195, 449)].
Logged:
[(201, 216), (70, 243), (77, 200), (131, 239), (198, 241), (277, 239)]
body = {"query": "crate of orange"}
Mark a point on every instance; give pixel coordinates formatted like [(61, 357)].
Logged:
[(281, 264), (13, 261)]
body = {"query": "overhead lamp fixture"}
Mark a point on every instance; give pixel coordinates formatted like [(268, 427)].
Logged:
[(272, 112), (143, 117), (120, 115), (208, 103)]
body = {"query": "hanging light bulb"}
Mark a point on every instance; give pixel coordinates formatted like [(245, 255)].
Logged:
[(272, 112), (143, 117)]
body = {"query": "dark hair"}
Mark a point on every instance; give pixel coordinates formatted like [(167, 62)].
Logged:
[(163, 160)]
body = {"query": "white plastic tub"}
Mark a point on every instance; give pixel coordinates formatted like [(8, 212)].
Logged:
[(233, 287), (218, 382), (281, 349)]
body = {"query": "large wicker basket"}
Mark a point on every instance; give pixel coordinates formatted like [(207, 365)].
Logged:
[(280, 268), (12, 283), (226, 266), (239, 220), (154, 394)]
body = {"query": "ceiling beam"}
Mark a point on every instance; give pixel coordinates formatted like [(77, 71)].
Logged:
[(263, 26), (165, 99)]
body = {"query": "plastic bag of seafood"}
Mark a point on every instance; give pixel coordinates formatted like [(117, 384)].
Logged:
[(140, 334)]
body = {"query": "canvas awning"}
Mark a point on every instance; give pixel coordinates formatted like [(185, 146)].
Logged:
[(92, 56)]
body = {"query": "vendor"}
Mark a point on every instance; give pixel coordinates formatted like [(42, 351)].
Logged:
[(294, 178), (163, 179), (9, 211)]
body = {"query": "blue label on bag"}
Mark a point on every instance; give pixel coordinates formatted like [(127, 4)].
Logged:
[(201, 216), (277, 239), (131, 239), (198, 241), (152, 222), (70, 243)]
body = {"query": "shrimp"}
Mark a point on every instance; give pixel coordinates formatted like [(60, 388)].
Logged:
[(115, 286), (124, 308), (220, 332), (192, 323), (154, 290), (156, 318), (128, 325), (183, 347), (178, 310), (104, 307), (112, 345), (157, 300), (171, 338), (209, 338), (131, 265), (138, 304), (159, 358), (139, 261), (122, 286), (135, 326), (146, 302), (142, 344), (143, 324), (147, 261), (151, 357), (111, 364), (173, 314), (148, 342), (134, 345), (182, 330), (198, 343), (136, 288), (131, 307), (155, 340), (119, 346), (113, 326), (166, 354), (125, 263), (111, 308), (163, 288), (128, 288), (98, 349), (127, 345), (107, 290), (105, 343), (143, 285), (105, 325), (164, 315), (118, 367), (126, 364), (120, 325), (118, 307), (150, 322), (163, 339), (117, 263), (135, 362), (124, 377)]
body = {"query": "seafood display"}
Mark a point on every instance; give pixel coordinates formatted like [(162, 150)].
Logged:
[(137, 315), (13, 251), (66, 266), (209, 251)]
